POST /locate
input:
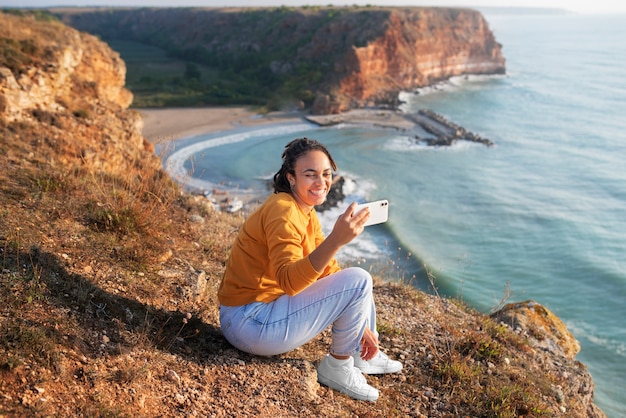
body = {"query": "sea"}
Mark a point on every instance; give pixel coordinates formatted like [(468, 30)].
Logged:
[(539, 215)]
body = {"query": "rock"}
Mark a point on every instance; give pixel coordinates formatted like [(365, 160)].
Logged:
[(196, 219), (541, 325), (76, 85), (200, 286), (172, 376), (335, 195), (164, 256)]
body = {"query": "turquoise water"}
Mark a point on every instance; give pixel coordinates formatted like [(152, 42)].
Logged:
[(543, 211)]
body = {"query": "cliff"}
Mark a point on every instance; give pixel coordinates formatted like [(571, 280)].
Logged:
[(53, 76), (109, 278), (334, 59)]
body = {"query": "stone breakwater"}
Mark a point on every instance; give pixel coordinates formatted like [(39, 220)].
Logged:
[(425, 126), (445, 131)]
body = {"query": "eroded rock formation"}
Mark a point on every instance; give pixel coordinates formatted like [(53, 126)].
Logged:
[(73, 84), (418, 47), (553, 348)]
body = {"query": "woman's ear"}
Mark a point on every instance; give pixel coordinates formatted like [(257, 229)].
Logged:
[(291, 179)]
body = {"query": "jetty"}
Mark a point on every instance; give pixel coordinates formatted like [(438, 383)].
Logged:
[(424, 126), (444, 131)]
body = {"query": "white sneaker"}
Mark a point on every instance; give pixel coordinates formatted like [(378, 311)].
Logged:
[(346, 379), (380, 364)]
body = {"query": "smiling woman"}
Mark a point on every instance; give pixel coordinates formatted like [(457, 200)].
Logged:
[(283, 286), (307, 173)]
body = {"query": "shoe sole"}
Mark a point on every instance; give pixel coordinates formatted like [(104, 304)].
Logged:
[(334, 385), (367, 370)]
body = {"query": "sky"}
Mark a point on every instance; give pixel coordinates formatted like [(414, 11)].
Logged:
[(577, 6)]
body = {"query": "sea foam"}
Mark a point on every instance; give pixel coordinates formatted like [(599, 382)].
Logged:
[(175, 163)]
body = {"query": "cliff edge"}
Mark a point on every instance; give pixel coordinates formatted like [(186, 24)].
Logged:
[(109, 276)]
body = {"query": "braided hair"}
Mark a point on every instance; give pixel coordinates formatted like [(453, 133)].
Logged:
[(294, 150)]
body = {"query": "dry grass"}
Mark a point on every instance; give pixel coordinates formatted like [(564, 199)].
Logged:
[(100, 290), (96, 267)]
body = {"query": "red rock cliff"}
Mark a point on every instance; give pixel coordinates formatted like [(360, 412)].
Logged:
[(417, 48)]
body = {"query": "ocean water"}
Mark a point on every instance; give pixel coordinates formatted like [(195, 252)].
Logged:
[(542, 213)]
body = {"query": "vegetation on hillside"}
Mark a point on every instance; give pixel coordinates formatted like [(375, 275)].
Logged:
[(108, 309), (219, 68)]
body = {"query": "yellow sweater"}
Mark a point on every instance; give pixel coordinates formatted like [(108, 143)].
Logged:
[(269, 257)]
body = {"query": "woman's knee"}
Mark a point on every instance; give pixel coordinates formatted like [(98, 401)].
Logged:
[(359, 275)]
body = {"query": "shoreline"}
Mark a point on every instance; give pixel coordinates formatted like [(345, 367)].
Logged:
[(164, 125)]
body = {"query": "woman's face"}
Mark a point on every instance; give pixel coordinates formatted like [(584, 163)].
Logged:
[(311, 183)]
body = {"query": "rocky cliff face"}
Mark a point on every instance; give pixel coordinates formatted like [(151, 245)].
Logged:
[(418, 48), (555, 349), (72, 84), (348, 57)]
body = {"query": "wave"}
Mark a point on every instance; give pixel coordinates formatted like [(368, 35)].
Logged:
[(175, 162), (405, 143), (452, 84), (372, 244), (587, 331)]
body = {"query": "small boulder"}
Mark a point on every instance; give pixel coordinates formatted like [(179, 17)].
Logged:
[(544, 328)]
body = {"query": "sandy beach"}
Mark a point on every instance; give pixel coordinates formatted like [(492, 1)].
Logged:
[(166, 125), (170, 124)]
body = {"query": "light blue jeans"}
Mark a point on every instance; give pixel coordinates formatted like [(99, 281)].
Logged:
[(343, 299)]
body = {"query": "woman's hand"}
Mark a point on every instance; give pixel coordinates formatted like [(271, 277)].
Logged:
[(349, 224), (369, 345)]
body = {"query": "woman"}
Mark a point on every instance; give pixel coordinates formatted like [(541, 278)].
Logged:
[(282, 285)]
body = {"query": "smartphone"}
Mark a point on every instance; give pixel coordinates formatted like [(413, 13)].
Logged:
[(379, 211)]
